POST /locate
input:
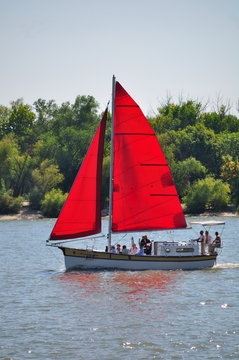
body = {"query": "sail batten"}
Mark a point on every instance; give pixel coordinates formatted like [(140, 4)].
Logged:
[(81, 213)]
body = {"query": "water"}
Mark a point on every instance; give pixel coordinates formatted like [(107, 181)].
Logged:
[(49, 314)]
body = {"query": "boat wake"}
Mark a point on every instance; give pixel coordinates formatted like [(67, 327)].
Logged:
[(226, 266)]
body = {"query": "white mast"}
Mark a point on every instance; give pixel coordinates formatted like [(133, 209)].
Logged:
[(111, 163)]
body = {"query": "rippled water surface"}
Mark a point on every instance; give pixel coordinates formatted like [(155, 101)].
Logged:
[(47, 313)]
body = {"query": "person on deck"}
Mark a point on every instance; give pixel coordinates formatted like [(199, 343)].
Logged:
[(112, 249), (201, 239), (133, 249), (215, 244), (125, 251), (208, 241), (141, 251), (118, 249), (146, 243)]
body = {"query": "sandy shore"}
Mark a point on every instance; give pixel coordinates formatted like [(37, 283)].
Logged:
[(23, 215), (26, 214)]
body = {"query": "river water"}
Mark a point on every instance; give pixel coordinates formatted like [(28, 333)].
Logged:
[(47, 313)]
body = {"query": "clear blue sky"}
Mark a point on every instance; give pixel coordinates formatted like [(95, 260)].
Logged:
[(58, 49)]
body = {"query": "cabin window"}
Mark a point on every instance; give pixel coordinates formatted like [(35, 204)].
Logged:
[(183, 250)]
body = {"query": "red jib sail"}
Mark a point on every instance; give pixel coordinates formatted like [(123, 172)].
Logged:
[(144, 195), (81, 213)]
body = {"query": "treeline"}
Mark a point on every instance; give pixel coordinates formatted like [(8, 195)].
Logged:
[(43, 145)]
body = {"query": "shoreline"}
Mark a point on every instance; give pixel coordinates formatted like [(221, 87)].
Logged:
[(26, 214)]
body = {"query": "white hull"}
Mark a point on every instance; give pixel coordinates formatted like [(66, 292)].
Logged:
[(83, 259)]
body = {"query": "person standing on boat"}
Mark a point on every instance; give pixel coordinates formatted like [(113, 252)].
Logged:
[(208, 241), (146, 243), (201, 239)]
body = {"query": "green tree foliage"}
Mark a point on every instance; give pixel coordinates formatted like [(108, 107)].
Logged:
[(4, 120), (49, 141), (15, 168), (193, 141), (8, 152), (205, 194), (45, 178), (52, 203), (177, 117), (221, 122), (20, 123), (8, 203), (45, 112), (230, 173), (186, 172)]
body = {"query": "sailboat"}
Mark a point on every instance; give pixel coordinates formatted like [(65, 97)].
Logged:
[(142, 198)]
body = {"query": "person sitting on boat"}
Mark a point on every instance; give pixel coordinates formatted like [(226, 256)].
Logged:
[(125, 251), (118, 249), (201, 239), (208, 241), (133, 249), (112, 249), (215, 244), (141, 251)]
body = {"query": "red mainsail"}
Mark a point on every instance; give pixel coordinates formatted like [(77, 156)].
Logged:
[(81, 213), (144, 195)]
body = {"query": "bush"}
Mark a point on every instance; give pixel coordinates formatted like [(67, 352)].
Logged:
[(35, 198), (8, 203), (205, 194), (52, 203)]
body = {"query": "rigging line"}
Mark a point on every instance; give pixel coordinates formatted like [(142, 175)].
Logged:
[(49, 243)]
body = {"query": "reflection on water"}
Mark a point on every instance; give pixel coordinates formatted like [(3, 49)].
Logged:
[(122, 283), (142, 282), (85, 282)]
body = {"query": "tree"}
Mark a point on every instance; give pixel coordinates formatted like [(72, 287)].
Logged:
[(230, 173), (21, 119), (4, 120), (186, 172), (45, 179), (15, 168), (177, 117), (9, 150), (47, 176), (52, 203), (205, 194), (221, 122), (8, 203), (45, 113), (20, 123)]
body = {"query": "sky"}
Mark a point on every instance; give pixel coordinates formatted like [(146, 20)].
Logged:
[(59, 49)]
